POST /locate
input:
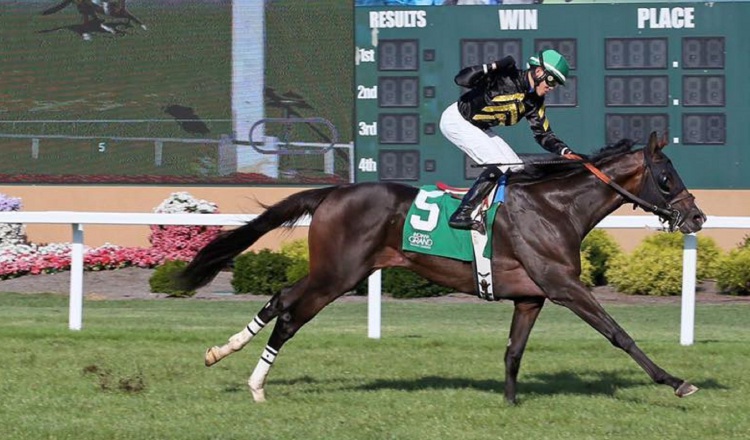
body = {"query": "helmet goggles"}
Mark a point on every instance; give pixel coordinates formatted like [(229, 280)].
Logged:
[(549, 78)]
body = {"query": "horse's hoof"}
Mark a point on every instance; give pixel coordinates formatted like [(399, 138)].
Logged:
[(259, 395), (212, 356), (685, 389)]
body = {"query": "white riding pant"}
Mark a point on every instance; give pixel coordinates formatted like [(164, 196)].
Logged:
[(483, 146)]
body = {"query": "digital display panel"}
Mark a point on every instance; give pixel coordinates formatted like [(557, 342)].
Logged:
[(475, 52), (398, 55), (398, 128), (703, 91), (635, 53), (635, 126), (637, 91), (566, 46), (676, 70), (398, 165), (398, 91), (703, 53), (563, 96), (702, 129)]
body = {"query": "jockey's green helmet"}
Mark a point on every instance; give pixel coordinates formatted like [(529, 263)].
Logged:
[(554, 64)]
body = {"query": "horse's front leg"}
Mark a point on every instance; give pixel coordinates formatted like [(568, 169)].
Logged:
[(567, 290), (524, 316)]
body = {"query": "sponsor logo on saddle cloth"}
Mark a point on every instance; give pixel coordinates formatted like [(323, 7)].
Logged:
[(426, 228)]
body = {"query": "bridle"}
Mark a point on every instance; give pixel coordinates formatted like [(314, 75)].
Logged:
[(667, 214)]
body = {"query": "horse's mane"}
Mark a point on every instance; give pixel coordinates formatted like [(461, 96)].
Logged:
[(536, 171)]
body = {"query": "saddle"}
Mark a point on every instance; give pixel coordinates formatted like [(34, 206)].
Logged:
[(426, 230)]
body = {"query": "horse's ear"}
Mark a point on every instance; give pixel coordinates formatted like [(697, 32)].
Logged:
[(655, 144), (664, 141)]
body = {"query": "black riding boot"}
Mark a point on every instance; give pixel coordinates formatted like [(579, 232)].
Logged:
[(461, 219)]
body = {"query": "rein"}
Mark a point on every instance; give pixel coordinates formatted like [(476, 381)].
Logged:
[(666, 215)]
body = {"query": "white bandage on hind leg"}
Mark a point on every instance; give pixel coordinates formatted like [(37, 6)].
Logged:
[(241, 339), (258, 378), (255, 326)]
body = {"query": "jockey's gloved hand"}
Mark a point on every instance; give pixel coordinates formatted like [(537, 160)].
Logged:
[(564, 151), (502, 64)]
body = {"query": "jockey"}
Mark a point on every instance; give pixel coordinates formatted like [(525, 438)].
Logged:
[(500, 94)]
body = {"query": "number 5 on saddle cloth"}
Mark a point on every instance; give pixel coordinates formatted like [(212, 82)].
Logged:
[(426, 230)]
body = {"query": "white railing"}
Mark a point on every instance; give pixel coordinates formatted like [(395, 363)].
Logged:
[(78, 219)]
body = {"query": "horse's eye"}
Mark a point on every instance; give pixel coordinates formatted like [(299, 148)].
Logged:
[(664, 183)]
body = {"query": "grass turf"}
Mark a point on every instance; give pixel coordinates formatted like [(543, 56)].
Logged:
[(136, 371)]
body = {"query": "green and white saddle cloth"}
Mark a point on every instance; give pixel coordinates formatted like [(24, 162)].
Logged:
[(426, 228)]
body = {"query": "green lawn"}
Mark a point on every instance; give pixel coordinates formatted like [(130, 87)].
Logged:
[(136, 371)]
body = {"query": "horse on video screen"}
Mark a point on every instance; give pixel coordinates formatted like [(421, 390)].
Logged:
[(548, 210), (91, 10)]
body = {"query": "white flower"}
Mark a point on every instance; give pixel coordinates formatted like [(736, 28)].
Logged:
[(182, 202)]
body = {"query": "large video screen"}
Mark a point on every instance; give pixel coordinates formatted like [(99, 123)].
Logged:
[(156, 91)]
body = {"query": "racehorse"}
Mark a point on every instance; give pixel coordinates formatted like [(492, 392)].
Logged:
[(90, 11), (357, 229)]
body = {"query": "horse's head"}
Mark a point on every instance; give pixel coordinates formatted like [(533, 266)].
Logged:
[(663, 188)]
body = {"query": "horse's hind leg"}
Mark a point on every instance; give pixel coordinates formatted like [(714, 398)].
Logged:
[(524, 317), (270, 311), (318, 295)]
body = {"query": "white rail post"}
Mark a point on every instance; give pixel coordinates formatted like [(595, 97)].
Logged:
[(158, 153), (373, 305), (689, 263), (75, 314)]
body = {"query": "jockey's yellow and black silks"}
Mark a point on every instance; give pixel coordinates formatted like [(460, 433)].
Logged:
[(502, 96)]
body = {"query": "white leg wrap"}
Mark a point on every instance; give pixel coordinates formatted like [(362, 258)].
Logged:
[(236, 342), (239, 340), (257, 380)]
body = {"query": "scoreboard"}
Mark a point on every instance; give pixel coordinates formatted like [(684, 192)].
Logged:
[(683, 69)]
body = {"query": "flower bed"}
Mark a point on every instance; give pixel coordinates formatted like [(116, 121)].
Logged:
[(18, 258)]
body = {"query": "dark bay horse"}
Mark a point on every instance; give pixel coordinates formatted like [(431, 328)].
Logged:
[(356, 229)]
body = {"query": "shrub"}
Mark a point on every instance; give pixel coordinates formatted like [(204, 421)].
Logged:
[(403, 283), (260, 273), (599, 248), (655, 266), (299, 256), (733, 274), (587, 269), (162, 280)]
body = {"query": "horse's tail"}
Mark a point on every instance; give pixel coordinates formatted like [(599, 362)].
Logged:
[(218, 253)]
